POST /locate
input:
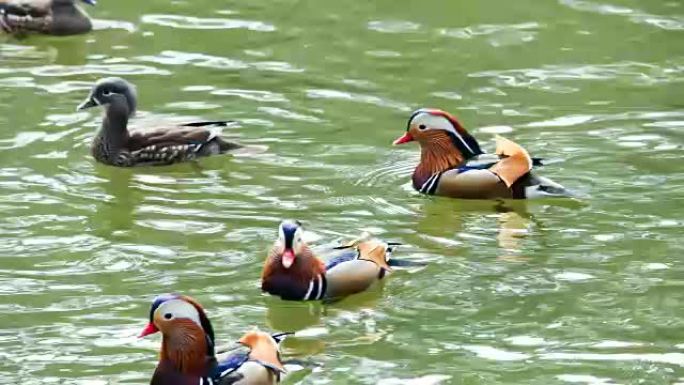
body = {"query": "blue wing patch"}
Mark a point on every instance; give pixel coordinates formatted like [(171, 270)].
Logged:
[(342, 255), (230, 364)]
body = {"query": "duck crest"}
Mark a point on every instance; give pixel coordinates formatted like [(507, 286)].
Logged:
[(437, 155)]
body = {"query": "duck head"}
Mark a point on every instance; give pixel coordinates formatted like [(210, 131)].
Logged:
[(289, 243), (265, 348), (108, 91), (433, 127), (188, 336), (444, 143)]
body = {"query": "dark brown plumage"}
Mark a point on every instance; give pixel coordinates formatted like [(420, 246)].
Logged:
[(52, 17), (115, 145), (292, 272)]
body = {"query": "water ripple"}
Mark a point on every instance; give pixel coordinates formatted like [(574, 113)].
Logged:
[(356, 97), (189, 22), (499, 34), (672, 23), (96, 69), (543, 78), (393, 26)]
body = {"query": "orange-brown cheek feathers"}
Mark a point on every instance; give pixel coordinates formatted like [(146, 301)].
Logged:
[(437, 154), (185, 345)]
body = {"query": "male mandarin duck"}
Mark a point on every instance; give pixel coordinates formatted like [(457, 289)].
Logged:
[(452, 163), (115, 145), (187, 353), (293, 272), (52, 17)]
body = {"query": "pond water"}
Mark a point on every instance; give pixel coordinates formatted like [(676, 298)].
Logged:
[(544, 292)]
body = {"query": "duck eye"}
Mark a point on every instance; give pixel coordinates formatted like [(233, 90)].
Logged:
[(168, 315), (422, 127), (106, 92)]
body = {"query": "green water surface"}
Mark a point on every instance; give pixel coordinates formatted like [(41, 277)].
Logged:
[(539, 293)]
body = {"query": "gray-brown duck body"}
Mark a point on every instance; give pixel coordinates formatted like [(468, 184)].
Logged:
[(50, 17), (115, 145)]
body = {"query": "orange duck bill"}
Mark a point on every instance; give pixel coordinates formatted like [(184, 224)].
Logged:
[(403, 139)]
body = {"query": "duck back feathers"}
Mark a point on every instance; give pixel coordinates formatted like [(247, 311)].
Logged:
[(53, 17)]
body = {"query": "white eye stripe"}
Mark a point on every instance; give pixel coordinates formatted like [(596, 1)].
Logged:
[(439, 122), (179, 309), (433, 121)]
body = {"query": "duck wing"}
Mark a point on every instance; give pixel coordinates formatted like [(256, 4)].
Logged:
[(166, 145), (226, 371), (363, 262), (337, 256)]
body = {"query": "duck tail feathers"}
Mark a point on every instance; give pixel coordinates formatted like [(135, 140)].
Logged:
[(404, 263), (546, 188)]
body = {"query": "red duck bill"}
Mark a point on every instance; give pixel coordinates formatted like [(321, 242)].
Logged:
[(149, 329), (288, 258), (403, 139)]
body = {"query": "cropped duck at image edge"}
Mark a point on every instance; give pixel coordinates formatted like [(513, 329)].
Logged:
[(188, 352), (50, 17)]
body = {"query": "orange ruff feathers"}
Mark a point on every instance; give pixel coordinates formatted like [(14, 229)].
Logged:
[(516, 161)]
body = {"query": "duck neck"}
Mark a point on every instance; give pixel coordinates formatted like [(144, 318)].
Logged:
[(114, 130), (435, 157), (186, 350)]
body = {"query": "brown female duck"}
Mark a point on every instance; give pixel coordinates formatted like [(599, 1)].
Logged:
[(115, 145), (452, 163), (293, 272), (51, 17), (187, 354)]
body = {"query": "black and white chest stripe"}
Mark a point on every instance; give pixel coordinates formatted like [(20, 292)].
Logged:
[(317, 287), (430, 185)]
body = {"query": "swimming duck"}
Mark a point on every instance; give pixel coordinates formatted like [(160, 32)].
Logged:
[(115, 145), (293, 272), (452, 163), (52, 17), (187, 355)]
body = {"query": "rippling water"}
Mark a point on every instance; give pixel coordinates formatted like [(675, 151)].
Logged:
[(550, 292)]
